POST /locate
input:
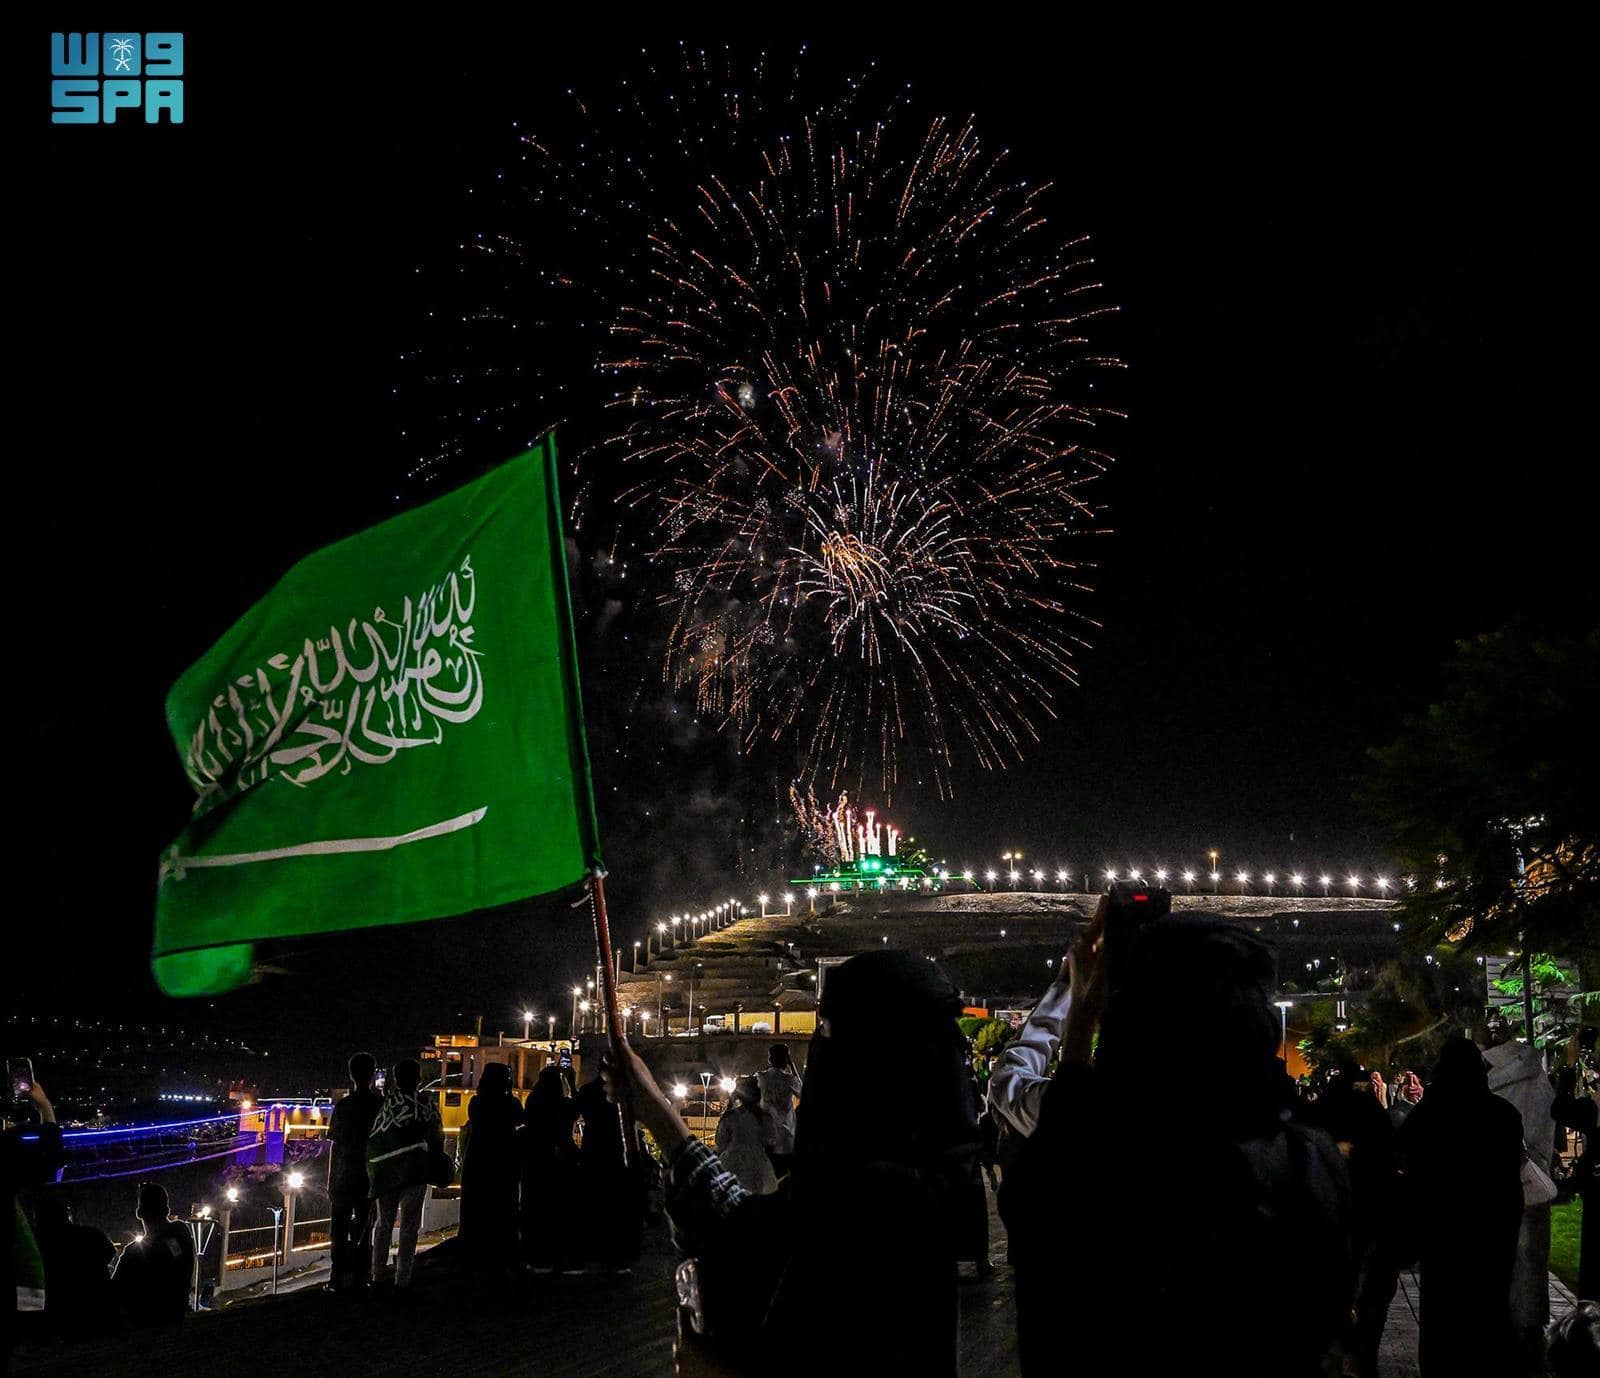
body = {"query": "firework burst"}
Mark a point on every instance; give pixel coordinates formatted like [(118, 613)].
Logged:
[(852, 394)]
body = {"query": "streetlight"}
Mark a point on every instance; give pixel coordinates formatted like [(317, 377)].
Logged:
[(1111, 873), (225, 1221), (1188, 881), (705, 1095), (1216, 882), (1326, 882), (788, 904), (1283, 1015), (1354, 882), (584, 1006), (1161, 876), (277, 1220), (292, 1184), (1243, 878), (552, 1020), (1297, 880), (577, 992), (763, 898), (528, 1017), (1383, 884), (1269, 878), (727, 1085)]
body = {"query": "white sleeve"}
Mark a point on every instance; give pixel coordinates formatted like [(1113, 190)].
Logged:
[(1018, 1084)]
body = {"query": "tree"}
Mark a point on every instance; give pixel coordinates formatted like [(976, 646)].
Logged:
[(993, 1037), (1491, 799)]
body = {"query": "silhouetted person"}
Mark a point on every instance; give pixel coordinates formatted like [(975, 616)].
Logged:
[(850, 1267), (780, 1093), (1351, 1115), (349, 1191), (612, 1197), (489, 1171), (1575, 1108), (1461, 1149), (404, 1136), (30, 1154), (745, 1136), (1232, 1252), (77, 1271), (155, 1275), (1517, 1076), (549, 1173)]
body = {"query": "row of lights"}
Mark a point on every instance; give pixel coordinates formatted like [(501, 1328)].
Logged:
[(1269, 878)]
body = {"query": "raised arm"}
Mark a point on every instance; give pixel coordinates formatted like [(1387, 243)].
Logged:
[(1018, 1084), (702, 1195)]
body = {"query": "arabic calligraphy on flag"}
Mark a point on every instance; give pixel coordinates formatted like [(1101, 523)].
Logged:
[(359, 696)]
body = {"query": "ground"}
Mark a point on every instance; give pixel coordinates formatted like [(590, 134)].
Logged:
[(524, 1327)]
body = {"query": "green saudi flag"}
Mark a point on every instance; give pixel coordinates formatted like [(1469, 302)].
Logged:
[(394, 733)]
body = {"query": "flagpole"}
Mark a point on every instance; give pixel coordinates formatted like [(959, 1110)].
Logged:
[(608, 994), (583, 783)]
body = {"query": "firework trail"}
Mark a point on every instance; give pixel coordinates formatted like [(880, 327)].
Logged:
[(850, 394)]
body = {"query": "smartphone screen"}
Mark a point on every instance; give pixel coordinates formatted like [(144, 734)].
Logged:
[(19, 1073)]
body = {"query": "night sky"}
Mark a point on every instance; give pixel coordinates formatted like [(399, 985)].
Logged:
[(1348, 276)]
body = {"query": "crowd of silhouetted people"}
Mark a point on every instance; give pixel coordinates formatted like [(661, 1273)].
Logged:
[(73, 1272), (545, 1184), (1173, 1201)]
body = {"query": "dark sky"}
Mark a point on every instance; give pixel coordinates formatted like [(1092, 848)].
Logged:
[(1348, 267)]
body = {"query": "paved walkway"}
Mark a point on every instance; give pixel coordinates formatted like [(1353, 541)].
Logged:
[(466, 1325), (1397, 1356)]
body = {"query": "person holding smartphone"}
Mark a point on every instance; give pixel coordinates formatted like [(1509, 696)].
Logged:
[(1175, 1262), (30, 1154)]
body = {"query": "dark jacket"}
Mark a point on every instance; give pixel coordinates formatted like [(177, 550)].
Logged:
[(348, 1129), (155, 1275), (1209, 1232)]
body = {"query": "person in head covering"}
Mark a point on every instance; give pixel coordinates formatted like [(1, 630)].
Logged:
[(489, 1171), (1187, 1035), (1461, 1153), (745, 1132), (851, 1265), (549, 1173), (1517, 1075), (611, 1184)]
